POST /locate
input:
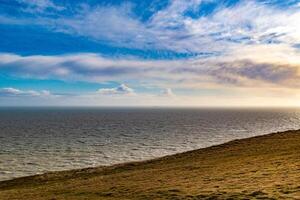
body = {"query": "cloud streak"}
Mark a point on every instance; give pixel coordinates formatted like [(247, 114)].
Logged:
[(120, 90), (39, 6), (249, 44), (167, 92), (224, 30), (96, 68), (14, 92)]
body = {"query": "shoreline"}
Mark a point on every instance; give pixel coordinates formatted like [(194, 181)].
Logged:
[(225, 170)]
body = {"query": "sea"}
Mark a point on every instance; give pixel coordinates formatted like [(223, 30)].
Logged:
[(39, 140)]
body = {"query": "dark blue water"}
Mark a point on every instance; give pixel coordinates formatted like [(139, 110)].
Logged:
[(36, 140)]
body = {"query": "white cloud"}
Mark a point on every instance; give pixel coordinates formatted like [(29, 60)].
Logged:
[(238, 70), (228, 28), (253, 46), (39, 6), (13, 92), (120, 90), (10, 91), (167, 92), (250, 97), (115, 25), (224, 31)]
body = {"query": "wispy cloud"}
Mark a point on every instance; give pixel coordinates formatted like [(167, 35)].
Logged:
[(14, 92), (208, 72), (167, 92), (39, 6), (224, 30), (120, 90), (249, 44)]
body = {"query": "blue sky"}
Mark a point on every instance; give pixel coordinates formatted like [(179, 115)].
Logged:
[(140, 53)]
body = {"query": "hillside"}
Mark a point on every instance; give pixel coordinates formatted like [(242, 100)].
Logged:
[(263, 167)]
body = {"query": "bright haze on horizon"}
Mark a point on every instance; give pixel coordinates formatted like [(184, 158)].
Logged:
[(149, 53)]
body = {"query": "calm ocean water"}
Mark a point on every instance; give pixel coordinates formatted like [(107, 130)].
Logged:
[(36, 140)]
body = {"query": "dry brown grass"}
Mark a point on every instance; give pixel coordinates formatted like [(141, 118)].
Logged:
[(264, 167)]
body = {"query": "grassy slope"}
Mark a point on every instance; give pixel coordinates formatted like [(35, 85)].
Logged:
[(261, 167)]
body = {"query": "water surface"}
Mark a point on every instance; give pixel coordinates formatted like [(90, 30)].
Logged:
[(36, 140)]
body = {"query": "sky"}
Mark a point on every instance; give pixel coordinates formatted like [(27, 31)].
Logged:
[(215, 53)]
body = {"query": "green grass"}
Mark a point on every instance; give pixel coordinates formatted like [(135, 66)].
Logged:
[(264, 167)]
